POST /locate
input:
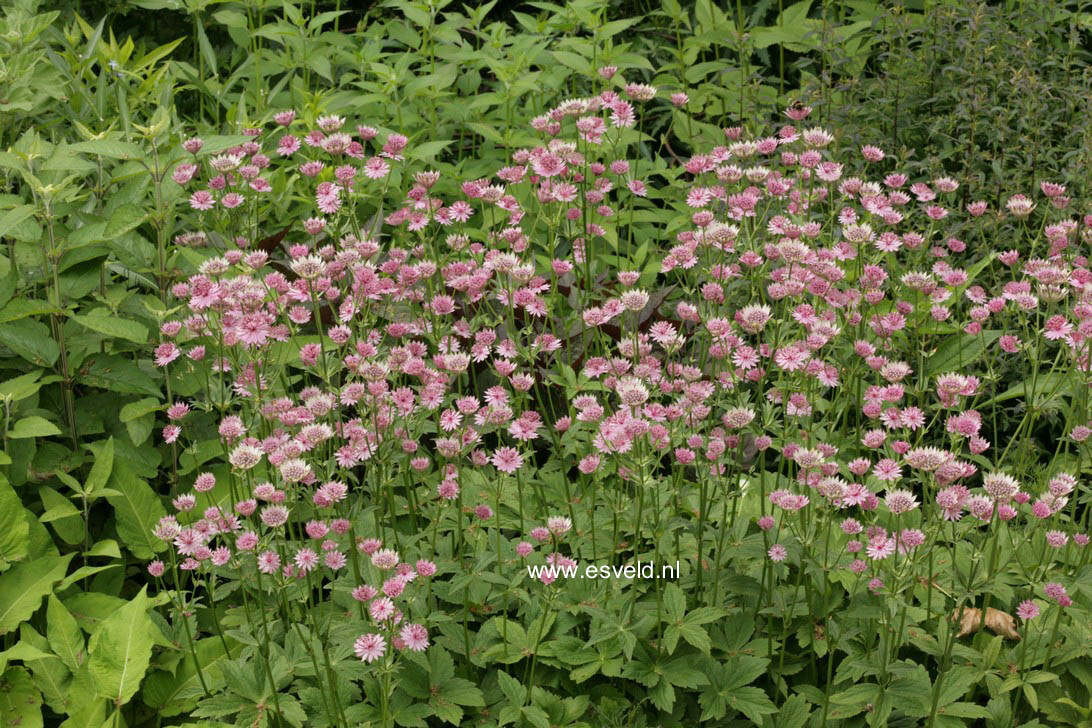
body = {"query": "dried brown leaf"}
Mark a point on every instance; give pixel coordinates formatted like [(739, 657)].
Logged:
[(998, 622)]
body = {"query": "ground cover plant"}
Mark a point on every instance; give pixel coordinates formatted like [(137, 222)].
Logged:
[(327, 413)]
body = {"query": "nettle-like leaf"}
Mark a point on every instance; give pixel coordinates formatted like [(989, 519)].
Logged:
[(138, 509), (23, 587), (20, 700), (14, 529), (121, 649)]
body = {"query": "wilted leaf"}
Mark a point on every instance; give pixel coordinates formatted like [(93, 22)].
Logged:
[(998, 622)]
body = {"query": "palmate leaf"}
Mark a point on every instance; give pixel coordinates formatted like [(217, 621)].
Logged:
[(121, 650)]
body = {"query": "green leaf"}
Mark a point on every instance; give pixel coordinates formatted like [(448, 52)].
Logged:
[(126, 218), (512, 689), (170, 694), (14, 530), (87, 715), (794, 713), (752, 702), (118, 374), (26, 385), (911, 689), (109, 148), (20, 701), (137, 409), (25, 585), (11, 219), (101, 468), (31, 340), (65, 637), (121, 650), (428, 150), (33, 426), (138, 509), (114, 326), (958, 351), (22, 308)]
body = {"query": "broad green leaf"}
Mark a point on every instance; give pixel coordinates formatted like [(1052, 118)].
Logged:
[(107, 547), (109, 148), (125, 218), (11, 218), (114, 326), (138, 509), (22, 308), (171, 694), (89, 715), (20, 701), (428, 150), (118, 374), (959, 351), (121, 650), (65, 637), (26, 385), (33, 426), (23, 587), (14, 530), (67, 520), (31, 340), (141, 407)]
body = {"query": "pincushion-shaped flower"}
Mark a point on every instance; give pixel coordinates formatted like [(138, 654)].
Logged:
[(1001, 486), (370, 647), (507, 459), (900, 501)]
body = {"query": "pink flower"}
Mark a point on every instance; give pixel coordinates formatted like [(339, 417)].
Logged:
[(415, 636), (777, 553), (507, 459), (370, 647), (268, 562), (165, 353), (1027, 610)]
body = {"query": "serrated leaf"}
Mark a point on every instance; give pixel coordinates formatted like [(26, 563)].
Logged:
[(512, 689), (33, 426), (31, 340), (752, 702), (23, 587), (22, 308), (126, 218), (121, 650), (138, 509), (26, 385), (118, 374), (13, 217)]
